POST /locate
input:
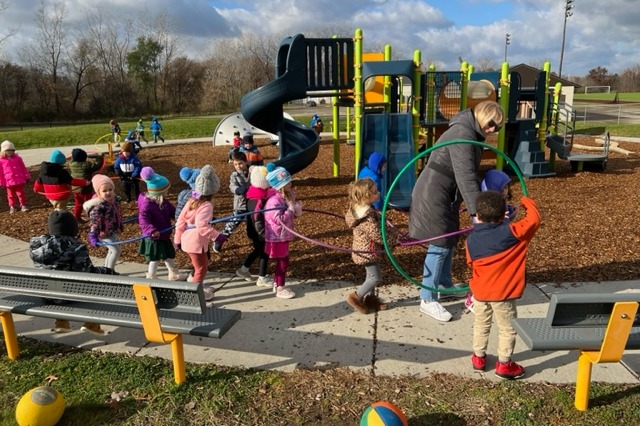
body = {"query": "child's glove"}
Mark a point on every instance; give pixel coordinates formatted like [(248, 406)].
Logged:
[(221, 238), (295, 207), (93, 239)]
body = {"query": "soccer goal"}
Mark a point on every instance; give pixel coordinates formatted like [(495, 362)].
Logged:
[(597, 89)]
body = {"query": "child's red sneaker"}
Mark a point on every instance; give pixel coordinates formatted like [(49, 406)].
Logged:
[(479, 362), (509, 370)]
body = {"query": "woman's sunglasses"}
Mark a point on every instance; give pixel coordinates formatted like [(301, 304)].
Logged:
[(495, 125)]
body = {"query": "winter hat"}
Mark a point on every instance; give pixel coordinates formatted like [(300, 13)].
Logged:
[(495, 180), (57, 157), (258, 178), (130, 133), (127, 147), (98, 180), (78, 154), (156, 184), (236, 133), (8, 146), (207, 182), (62, 222), (376, 161), (278, 177), (247, 139), (189, 176)]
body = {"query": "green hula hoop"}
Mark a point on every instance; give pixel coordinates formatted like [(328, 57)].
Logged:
[(410, 165)]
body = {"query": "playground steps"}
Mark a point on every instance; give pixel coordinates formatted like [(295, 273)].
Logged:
[(528, 153)]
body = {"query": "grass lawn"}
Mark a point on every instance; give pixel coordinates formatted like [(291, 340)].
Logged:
[(622, 96)]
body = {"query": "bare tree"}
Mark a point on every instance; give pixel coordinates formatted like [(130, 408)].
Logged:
[(80, 63), (487, 64), (630, 79), (9, 31)]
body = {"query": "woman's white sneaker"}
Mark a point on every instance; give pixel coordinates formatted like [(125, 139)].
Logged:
[(435, 310)]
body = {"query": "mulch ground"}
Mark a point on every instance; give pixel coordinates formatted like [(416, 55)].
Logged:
[(589, 230)]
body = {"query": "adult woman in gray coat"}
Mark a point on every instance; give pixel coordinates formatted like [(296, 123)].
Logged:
[(449, 178)]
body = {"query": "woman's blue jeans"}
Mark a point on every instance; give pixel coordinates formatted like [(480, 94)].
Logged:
[(437, 271)]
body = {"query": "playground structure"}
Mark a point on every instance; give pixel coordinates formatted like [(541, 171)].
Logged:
[(393, 101), (223, 134)]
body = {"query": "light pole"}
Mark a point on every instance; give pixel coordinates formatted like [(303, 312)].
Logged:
[(568, 6), (507, 42)]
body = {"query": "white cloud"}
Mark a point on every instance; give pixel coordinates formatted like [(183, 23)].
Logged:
[(598, 34)]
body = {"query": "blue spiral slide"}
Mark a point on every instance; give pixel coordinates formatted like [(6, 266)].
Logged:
[(263, 107)]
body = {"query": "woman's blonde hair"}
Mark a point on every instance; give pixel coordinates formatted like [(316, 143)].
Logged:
[(488, 111), (360, 191)]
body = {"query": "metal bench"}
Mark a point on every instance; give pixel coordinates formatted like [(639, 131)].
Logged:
[(600, 325), (165, 310)]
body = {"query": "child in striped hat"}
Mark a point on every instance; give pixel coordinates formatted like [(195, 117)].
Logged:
[(155, 214)]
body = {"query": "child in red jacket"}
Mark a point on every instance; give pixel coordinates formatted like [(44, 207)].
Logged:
[(54, 181), (497, 250)]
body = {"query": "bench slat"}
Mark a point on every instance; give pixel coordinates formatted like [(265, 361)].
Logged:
[(86, 287), (214, 322)]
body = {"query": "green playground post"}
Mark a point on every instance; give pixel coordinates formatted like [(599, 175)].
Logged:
[(505, 85), (358, 96)]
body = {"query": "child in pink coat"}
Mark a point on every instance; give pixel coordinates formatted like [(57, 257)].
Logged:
[(193, 228), (13, 175), (280, 209)]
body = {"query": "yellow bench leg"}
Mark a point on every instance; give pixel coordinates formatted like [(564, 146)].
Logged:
[(177, 350), (583, 382), (10, 337)]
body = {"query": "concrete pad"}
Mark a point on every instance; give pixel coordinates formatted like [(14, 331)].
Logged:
[(315, 330)]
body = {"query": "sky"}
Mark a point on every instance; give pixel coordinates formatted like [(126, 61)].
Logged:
[(598, 33)]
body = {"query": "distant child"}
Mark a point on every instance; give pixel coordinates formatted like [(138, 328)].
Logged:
[(140, 131), (155, 214), (316, 123), (13, 176), (254, 158), (495, 180), (364, 220), (55, 182), (156, 129), (238, 185), (257, 194), (82, 168), (127, 166), (237, 141), (194, 229), (132, 138), (115, 131), (374, 170), (281, 208), (189, 177), (60, 250), (105, 219), (496, 251)]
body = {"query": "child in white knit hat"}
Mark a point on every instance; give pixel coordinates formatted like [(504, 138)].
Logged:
[(194, 229), (281, 208), (13, 176), (257, 194)]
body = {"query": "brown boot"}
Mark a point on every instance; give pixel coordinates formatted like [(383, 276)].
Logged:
[(62, 326), (357, 303), (373, 303), (93, 328)]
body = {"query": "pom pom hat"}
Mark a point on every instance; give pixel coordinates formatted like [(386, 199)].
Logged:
[(98, 180), (189, 176), (258, 177), (156, 184), (62, 222), (207, 182), (8, 146), (57, 157), (278, 177)]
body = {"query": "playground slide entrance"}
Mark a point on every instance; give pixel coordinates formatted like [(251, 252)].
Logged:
[(391, 134)]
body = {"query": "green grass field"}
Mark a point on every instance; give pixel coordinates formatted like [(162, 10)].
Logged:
[(607, 97)]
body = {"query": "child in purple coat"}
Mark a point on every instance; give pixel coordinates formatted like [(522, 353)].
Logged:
[(155, 214)]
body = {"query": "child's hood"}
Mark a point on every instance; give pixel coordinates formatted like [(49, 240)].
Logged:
[(376, 160), (356, 215), (50, 169)]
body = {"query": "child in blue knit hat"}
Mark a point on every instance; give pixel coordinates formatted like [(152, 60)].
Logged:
[(280, 210), (54, 181), (189, 177), (155, 214)]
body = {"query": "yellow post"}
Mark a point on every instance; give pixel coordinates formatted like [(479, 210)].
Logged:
[(387, 81), (415, 106), (613, 344), (358, 96), (464, 85), (542, 126), (336, 129), (177, 352), (10, 338), (505, 85), (431, 105)]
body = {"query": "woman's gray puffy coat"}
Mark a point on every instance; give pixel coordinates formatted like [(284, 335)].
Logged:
[(450, 177)]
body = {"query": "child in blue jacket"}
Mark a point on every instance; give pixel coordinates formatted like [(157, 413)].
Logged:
[(127, 166), (374, 170)]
